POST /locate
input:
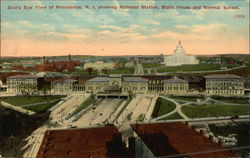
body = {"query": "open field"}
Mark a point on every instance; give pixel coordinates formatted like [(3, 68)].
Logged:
[(23, 100), (172, 117), (162, 107), (198, 67), (211, 110)]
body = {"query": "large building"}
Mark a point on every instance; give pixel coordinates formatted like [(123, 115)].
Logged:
[(179, 57), (100, 65), (57, 66), (24, 84), (63, 86), (117, 84), (135, 85), (100, 142), (175, 86), (174, 140), (224, 85)]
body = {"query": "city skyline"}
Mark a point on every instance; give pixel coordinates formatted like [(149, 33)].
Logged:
[(109, 32)]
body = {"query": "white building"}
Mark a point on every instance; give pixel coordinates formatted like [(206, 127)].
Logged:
[(224, 85), (24, 84), (63, 86), (135, 85), (176, 86), (100, 65), (179, 57)]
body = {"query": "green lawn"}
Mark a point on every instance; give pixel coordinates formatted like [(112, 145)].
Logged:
[(162, 107), (236, 100), (23, 100), (41, 108), (151, 65), (212, 110), (174, 116), (198, 67), (243, 101), (193, 99)]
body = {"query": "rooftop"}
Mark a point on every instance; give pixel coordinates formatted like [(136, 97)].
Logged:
[(165, 139), (152, 77), (101, 142), (99, 79), (134, 79), (175, 80), (65, 81), (24, 77), (222, 76)]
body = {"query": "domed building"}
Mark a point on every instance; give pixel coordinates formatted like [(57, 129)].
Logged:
[(179, 57)]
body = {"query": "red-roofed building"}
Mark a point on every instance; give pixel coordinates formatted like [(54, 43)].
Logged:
[(101, 142), (57, 66), (175, 140)]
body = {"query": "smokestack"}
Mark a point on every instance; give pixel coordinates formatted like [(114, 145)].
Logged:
[(69, 57), (44, 60)]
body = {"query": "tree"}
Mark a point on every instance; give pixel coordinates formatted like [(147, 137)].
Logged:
[(104, 71), (89, 70)]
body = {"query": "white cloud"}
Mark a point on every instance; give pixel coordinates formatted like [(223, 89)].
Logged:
[(147, 2), (41, 27), (196, 33), (153, 22), (120, 12)]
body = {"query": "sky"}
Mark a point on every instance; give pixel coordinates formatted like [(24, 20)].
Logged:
[(105, 32)]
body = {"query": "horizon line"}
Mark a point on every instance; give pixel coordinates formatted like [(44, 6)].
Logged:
[(126, 55)]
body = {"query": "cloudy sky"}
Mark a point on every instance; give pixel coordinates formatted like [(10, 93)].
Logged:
[(123, 31)]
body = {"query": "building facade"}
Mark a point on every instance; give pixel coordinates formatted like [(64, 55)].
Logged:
[(96, 85), (63, 86), (24, 84), (135, 85), (224, 85), (115, 84), (179, 57), (175, 86)]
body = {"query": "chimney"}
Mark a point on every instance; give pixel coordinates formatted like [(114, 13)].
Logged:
[(44, 60), (69, 57)]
